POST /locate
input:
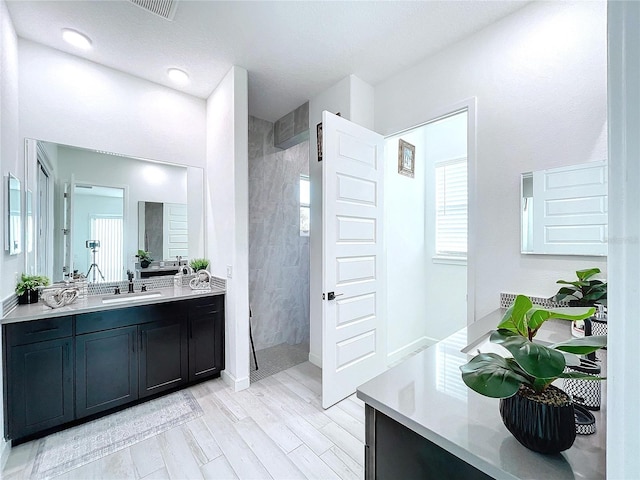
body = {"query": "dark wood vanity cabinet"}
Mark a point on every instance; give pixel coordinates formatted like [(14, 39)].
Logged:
[(206, 337), (39, 375), (64, 369)]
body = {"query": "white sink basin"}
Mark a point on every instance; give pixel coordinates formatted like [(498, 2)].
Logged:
[(130, 297)]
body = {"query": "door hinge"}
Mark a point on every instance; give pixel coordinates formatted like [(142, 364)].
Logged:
[(66, 195), (65, 231), (323, 296)]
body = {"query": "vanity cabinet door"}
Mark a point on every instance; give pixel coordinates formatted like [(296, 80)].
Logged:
[(163, 355), (40, 389), (106, 370), (206, 337)]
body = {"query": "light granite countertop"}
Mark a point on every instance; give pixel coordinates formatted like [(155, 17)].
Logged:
[(93, 303), (426, 394)]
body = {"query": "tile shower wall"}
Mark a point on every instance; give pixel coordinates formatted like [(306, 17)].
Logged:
[(278, 255)]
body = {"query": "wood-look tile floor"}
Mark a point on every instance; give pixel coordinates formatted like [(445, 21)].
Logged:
[(275, 429)]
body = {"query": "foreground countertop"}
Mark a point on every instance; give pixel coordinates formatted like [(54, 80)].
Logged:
[(426, 394), (94, 303)]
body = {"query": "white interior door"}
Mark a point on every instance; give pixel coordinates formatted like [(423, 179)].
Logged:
[(353, 330), (176, 241)]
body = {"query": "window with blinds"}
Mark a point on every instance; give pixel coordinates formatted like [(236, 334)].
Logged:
[(109, 257), (451, 209), (305, 205)]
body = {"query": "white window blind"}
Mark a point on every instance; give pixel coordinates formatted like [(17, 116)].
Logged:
[(109, 257), (451, 208)]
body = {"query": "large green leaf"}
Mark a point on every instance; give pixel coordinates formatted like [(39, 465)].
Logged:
[(587, 273), (576, 283), (535, 359), (514, 318), (490, 375), (583, 345), (537, 316)]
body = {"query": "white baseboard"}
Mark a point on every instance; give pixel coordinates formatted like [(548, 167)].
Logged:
[(408, 349), (5, 449), (236, 383), (315, 359)]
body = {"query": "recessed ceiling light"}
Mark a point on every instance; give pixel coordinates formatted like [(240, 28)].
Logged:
[(76, 39), (178, 76)]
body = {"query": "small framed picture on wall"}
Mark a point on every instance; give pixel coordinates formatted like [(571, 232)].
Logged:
[(406, 158), (319, 136)]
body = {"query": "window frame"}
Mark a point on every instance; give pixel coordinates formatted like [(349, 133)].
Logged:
[(303, 205)]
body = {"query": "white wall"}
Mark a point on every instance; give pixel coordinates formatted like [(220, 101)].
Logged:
[(353, 99), (10, 161), (68, 100), (227, 202), (406, 249), (539, 76)]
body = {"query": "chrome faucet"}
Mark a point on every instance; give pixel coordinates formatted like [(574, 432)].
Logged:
[(130, 277)]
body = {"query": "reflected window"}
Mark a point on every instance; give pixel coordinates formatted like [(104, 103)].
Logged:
[(305, 205), (109, 254)]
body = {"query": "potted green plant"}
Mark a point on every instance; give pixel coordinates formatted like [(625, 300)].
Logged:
[(585, 292), (145, 258), (27, 288), (582, 292), (538, 414), (198, 264)]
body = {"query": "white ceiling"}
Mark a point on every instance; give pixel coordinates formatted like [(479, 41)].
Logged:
[(292, 50)]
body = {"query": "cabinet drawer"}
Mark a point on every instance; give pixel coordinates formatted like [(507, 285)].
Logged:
[(124, 317), (39, 330), (206, 306)]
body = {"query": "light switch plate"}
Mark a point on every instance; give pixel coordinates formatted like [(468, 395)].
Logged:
[(229, 271)]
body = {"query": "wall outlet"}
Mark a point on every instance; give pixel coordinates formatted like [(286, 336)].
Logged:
[(229, 271)]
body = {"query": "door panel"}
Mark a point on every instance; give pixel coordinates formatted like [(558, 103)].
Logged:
[(353, 333), (41, 388), (106, 370), (163, 356)]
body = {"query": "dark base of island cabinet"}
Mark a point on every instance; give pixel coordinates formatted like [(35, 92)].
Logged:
[(393, 451)]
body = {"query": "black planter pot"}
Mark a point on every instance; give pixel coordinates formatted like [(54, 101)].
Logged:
[(29, 296), (145, 263), (539, 426)]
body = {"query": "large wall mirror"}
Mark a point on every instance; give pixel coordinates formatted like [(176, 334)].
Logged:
[(87, 211), (564, 210)]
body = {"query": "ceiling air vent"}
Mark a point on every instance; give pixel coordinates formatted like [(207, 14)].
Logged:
[(163, 8)]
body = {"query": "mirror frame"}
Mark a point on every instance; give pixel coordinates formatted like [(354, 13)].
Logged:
[(11, 235)]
